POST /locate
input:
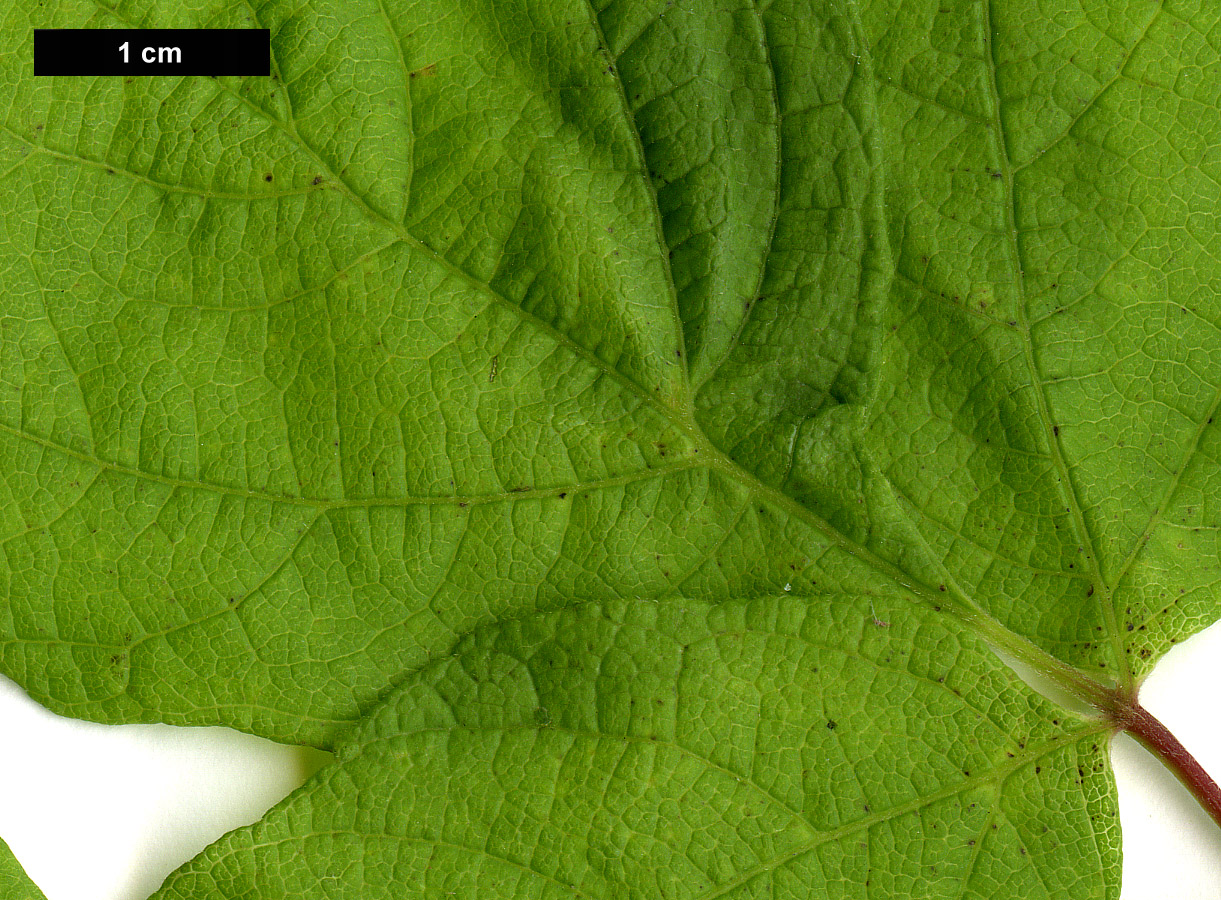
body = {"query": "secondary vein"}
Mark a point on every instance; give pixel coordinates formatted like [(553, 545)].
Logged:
[(1064, 476)]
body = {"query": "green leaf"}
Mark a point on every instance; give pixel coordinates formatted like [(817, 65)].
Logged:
[(683, 749), (13, 881), (619, 430)]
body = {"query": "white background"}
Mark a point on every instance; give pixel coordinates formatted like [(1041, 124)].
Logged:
[(98, 812)]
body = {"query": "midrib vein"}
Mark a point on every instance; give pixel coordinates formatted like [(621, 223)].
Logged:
[(1069, 489)]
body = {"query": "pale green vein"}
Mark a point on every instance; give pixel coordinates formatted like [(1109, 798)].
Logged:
[(82, 490), (977, 846), (713, 549), (921, 98), (1064, 476), (1123, 64), (993, 552), (1159, 511), (940, 686), (164, 186), (63, 351), (642, 171), (253, 307), (996, 778), (599, 736), (461, 500), (952, 303), (341, 184), (402, 60), (232, 607), (431, 842), (773, 215), (277, 72), (648, 21)]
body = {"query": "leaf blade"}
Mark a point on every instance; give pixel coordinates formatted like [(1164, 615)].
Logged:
[(549, 757)]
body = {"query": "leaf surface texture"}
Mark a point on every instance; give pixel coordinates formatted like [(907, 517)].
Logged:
[(616, 428)]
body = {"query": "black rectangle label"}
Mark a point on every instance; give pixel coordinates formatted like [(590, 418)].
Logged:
[(152, 51)]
